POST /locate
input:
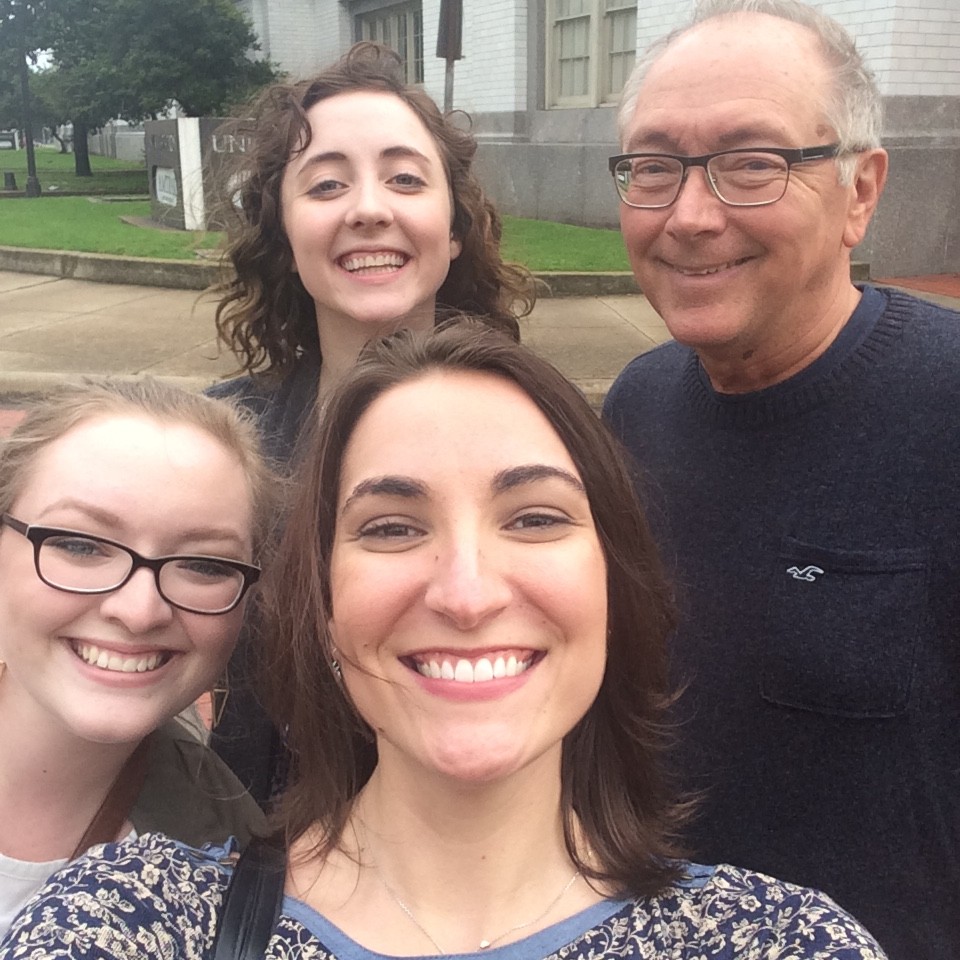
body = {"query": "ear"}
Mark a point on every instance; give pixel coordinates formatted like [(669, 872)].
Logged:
[(868, 182), (456, 247)]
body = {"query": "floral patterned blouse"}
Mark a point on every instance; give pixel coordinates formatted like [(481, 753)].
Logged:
[(156, 899)]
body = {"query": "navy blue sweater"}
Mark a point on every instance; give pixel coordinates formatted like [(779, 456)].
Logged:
[(813, 531)]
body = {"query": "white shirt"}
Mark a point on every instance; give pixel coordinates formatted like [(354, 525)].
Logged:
[(21, 879)]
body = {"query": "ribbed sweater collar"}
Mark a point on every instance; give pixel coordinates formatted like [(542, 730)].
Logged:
[(866, 338)]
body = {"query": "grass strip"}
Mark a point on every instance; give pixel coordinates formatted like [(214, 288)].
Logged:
[(542, 245), (55, 173), (79, 223)]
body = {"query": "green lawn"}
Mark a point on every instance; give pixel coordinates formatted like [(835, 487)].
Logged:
[(78, 223), (55, 172), (543, 245)]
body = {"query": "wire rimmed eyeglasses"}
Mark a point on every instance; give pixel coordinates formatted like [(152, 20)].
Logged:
[(78, 562), (745, 177)]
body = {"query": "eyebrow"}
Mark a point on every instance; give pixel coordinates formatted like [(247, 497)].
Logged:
[(109, 519), (410, 489), (530, 473), (388, 153), (389, 486), (95, 513), (750, 136)]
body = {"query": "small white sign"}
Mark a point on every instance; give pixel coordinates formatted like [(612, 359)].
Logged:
[(165, 181)]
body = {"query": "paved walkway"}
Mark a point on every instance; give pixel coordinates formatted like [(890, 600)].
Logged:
[(52, 328)]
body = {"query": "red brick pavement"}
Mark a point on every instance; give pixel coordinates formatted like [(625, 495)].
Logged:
[(9, 419), (945, 284)]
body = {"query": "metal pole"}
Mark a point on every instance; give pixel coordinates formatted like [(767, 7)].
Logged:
[(448, 88), (450, 44)]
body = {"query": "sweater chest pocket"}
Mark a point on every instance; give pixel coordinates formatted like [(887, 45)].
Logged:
[(842, 629)]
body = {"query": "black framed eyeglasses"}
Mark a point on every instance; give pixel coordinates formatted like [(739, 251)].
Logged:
[(77, 562), (745, 177)]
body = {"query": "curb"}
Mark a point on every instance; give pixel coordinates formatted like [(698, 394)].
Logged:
[(21, 389), (102, 268), (200, 274)]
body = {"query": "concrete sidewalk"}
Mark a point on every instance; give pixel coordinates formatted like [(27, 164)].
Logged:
[(52, 329)]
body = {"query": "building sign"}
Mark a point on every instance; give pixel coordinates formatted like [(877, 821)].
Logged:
[(164, 141), (228, 143), (186, 158), (165, 186)]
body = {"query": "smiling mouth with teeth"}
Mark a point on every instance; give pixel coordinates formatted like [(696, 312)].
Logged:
[(114, 663), (481, 670), (373, 263), (707, 271)]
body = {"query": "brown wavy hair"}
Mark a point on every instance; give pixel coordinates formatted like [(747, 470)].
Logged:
[(618, 806), (265, 315)]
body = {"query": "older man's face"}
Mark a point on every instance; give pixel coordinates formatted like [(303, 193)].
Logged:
[(742, 283)]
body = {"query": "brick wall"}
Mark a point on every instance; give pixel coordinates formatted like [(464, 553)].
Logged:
[(492, 76), (913, 46), (300, 35)]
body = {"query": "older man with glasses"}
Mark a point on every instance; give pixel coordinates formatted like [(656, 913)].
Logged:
[(799, 445)]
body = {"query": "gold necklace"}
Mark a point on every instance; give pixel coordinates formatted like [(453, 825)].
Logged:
[(484, 944)]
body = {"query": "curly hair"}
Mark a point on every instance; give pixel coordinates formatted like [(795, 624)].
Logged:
[(616, 794), (265, 315)]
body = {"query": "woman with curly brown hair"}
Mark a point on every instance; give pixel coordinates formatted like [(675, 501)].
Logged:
[(357, 213)]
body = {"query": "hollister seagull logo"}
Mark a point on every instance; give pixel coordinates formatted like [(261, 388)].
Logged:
[(807, 573)]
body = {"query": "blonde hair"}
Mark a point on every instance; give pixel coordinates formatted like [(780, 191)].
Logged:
[(65, 409)]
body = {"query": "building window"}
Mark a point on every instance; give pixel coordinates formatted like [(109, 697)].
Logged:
[(398, 26), (591, 48)]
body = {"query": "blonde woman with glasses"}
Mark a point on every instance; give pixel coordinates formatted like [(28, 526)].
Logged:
[(130, 519)]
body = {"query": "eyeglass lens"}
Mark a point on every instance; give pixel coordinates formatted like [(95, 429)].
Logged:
[(79, 563), (739, 178)]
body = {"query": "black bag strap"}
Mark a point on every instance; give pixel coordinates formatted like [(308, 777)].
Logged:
[(251, 904)]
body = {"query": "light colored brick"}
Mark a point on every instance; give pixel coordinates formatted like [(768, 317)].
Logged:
[(912, 45)]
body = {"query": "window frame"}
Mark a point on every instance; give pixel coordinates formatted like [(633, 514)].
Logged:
[(367, 13), (599, 15)]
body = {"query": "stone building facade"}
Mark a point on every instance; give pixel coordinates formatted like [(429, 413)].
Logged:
[(540, 79)]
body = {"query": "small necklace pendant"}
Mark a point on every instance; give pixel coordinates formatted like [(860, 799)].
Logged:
[(484, 944)]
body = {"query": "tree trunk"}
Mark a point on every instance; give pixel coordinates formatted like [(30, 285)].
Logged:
[(81, 150), (61, 141)]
